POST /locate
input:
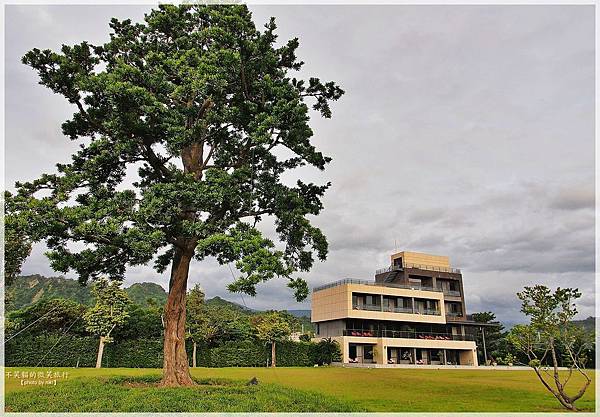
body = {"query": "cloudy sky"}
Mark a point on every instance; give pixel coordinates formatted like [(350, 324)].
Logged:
[(465, 131)]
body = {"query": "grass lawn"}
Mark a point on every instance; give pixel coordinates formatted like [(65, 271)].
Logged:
[(292, 389)]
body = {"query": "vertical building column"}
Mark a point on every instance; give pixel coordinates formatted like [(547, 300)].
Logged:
[(382, 356), (414, 356), (345, 350), (445, 359), (412, 301)]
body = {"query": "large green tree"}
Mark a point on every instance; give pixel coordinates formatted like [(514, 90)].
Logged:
[(204, 106)]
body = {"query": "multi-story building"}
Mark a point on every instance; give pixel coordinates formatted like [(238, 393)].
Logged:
[(412, 313)]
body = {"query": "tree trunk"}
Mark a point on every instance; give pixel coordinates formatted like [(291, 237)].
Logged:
[(100, 353), (194, 356), (176, 370), (273, 354)]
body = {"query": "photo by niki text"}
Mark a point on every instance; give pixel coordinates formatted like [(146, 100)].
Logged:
[(48, 377)]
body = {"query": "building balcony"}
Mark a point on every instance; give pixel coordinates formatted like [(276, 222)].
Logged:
[(417, 266), (451, 293), (367, 307), (405, 310), (376, 284), (454, 316), (400, 334), (398, 310), (429, 312)]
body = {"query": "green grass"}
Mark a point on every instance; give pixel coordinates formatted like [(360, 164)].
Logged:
[(139, 394), (295, 389)]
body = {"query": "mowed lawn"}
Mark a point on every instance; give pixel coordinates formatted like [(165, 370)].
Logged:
[(293, 389)]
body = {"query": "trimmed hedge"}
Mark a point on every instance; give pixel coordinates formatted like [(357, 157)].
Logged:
[(71, 351), (138, 353), (250, 353)]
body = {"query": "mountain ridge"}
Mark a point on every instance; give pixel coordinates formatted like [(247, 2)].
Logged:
[(29, 289)]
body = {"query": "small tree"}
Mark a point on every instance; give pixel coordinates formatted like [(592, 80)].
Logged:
[(493, 336), (271, 328), (551, 328), (200, 328), (109, 312)]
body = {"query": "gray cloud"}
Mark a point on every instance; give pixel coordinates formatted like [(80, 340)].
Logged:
[(575, 199), (466, 131)]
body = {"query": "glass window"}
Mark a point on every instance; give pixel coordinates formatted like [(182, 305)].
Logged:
[(368, 352)]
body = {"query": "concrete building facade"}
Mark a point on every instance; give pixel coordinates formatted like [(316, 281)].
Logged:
[(413, 312)]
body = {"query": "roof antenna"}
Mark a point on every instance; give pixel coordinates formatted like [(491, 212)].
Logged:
[(396, 245)]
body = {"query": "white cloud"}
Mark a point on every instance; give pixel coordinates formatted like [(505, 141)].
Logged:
[(465, 130)]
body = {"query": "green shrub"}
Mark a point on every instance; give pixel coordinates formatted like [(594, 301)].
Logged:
[(327, 351), (244, 353), (51, 350), (140, 353), (70, 351)]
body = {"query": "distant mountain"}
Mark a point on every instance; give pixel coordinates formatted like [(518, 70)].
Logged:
[(588, 324), (31, 288), (141, 292), (299, 313), (218, 301)]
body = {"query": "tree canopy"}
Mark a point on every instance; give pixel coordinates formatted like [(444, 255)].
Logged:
[(205, 107), (110, 309), (271, 327), (196, 83), (550, 330)]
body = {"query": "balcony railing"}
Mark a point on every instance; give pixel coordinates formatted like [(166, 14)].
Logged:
[(375, 284), (429, 312), (452, 293), (369, 307), (453, 316), (375, 307), (406, 334), (417, 266), (398, 309), (389, 269)]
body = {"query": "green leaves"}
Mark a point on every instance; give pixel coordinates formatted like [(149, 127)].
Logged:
[(109, 311), (271, 327), (209, 324), (17, 244), (254, 256), (200, 103), (549, 311), (551, 332)]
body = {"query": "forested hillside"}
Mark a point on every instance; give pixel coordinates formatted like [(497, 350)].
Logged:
[(30, 289), (27, 290), (588, 324)]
